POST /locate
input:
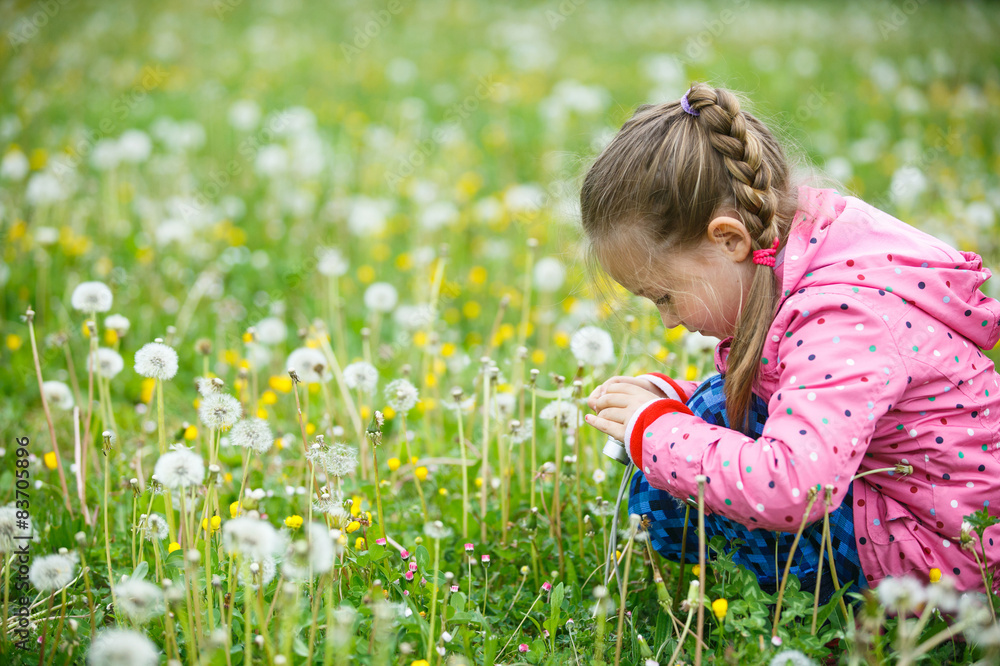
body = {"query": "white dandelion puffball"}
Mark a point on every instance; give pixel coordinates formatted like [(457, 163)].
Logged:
[(593, 345), (549, 274), (340, 460), (156, 527), (413, 317), (220, 410), (109, 362), (13, 530), (791, 658), (257, 573), (91, 297), (122, 647), (156, 360), (310, 365), (117, 323), (401, 395), (134, 146), (52, 573), (139, 600), (244, 114), (368, 216), (697, 343), (252, 538), (208, 385), (361, 376), (271, 331), (309, 557), (331, 262), (254, 434), (381, 297), (58, 394), (14, 166), (180, 468), (562, 410)]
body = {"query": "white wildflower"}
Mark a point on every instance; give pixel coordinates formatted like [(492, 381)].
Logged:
[(180, 468), (361, 376), (252, 433), (139, 600), (156, 360), (599, 476), (271, 331), (401, 395), (91, 297), (58, 394), (593, 345), (220, 410), (121, 647), (381, 297), (109, 362), (310, 365), (252, 538), (51, 573), (311, 556)]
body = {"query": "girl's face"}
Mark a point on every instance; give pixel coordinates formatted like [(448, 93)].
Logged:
[(703, 290)]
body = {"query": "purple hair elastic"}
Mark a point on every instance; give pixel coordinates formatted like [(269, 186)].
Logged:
[(687, 106)]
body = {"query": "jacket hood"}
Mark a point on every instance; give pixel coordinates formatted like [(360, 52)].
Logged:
[(841, 240)]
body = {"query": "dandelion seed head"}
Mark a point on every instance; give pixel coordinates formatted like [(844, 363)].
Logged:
[(381, 297), (791, 658), (208, 385), (108, 362), (13, 530), (180, 468), (253, 538), (436, 530), (312, 556), (117, 323), (91, 297), (361, 376), (271, 331), (58, 394), (401, 395), (51, 573), (593, 345), (220, 410), (252, 433), (122, 647), (565, 412), (156, 527), (310, 365), (257, 573), (331, 262), (549, 274), (156, 360), (341, 460), (139, 600)]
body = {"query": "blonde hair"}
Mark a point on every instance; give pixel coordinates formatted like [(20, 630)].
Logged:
[(667, 173)]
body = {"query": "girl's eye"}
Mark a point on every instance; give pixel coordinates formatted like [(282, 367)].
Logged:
[(662, 300)]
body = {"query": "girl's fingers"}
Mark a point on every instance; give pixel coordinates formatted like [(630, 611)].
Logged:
[(612, 400), (617, 414), (616, 430)]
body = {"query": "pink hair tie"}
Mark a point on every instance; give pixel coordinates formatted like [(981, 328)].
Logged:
[(766, 257)]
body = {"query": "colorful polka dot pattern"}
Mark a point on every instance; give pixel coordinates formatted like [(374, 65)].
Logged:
[(873, 361)]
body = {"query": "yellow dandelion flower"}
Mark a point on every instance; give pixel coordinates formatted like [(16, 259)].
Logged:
[(50, 460), (366, 274), (110, 336), (261, 413), (268, 397), (191, 432), (388, 412), (443, 492), (215, 523), (538, 357), (234, 509), (471, 309), (561, 338), (935, 575), (366, 412), (353, 526), (280, 383), (692, 372), (393, 464), (420, 473), (447, 350), (310, 428), (696, 570), (173, 546), (719, 607), (294, 522), (478, 275), (420, 339), (148, 384)]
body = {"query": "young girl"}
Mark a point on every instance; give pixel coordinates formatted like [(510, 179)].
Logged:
[(850, 356)]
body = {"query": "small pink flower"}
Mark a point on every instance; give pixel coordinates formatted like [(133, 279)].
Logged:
[(523, 647), (776, 641), (454, 588), (380, 542), (469, 547), (409, 575), (423, 581), (546, 632), (413, 566), (546, 586), (406, 593), (405, 554), (486, 559)]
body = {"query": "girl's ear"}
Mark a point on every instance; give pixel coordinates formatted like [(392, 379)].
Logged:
[(730, 237)]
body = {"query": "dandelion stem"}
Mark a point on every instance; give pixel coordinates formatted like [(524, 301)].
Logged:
[(621, 602), (813, 494), (485, 470), (107, 530), (431, 641), (409, 458), (465, 472), (701, 566), (682, 566)]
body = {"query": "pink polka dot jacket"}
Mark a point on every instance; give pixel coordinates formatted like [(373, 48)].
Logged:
[(873, 359)]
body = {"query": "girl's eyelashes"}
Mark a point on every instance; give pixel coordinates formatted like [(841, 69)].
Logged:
[(662, 300)]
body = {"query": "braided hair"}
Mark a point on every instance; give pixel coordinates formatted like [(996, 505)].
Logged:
[(671, 173)]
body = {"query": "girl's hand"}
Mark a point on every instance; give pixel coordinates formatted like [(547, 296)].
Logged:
[(620, 379), (616, 405)]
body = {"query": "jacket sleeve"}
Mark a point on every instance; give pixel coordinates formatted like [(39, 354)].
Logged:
[(838, 371), (671, 388)]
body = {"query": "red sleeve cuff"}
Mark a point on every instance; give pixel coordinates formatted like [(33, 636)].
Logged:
[(645, 418), (667, 385)]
